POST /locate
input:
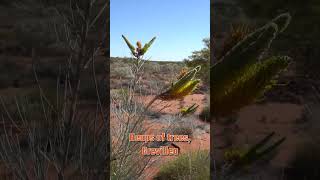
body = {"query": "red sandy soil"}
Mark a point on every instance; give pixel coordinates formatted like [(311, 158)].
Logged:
[(176, 105), (256, 121), (199, 141), (279, 118)]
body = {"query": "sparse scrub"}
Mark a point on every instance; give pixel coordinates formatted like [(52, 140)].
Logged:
[(183, 130), (170, 68), (182, 126), (122, 72), (152, 67)]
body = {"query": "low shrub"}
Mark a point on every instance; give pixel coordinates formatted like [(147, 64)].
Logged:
[(183, 129), (194, 165)]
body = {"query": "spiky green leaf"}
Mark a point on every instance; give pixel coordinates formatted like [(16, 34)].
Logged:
[(147, 46), (131, 47)]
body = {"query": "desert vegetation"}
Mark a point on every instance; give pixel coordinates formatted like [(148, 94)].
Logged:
[(150, 97), (239, 77), (194, 165), (289, 107), (53, 119)]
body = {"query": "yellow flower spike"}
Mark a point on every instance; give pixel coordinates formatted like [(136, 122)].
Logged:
[(186, 78), (139, 44), (252, 85), (183, 86), (187, 85), (189, 88), (181, 92)]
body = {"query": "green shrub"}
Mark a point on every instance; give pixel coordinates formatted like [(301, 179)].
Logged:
[(201, 58), (194, 165)]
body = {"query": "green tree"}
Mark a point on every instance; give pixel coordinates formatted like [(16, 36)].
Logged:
[(201, 57)]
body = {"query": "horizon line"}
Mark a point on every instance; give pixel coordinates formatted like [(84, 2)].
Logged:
[(149, 59)]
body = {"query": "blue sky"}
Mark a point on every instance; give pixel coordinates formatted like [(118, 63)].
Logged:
[(180, 26)]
